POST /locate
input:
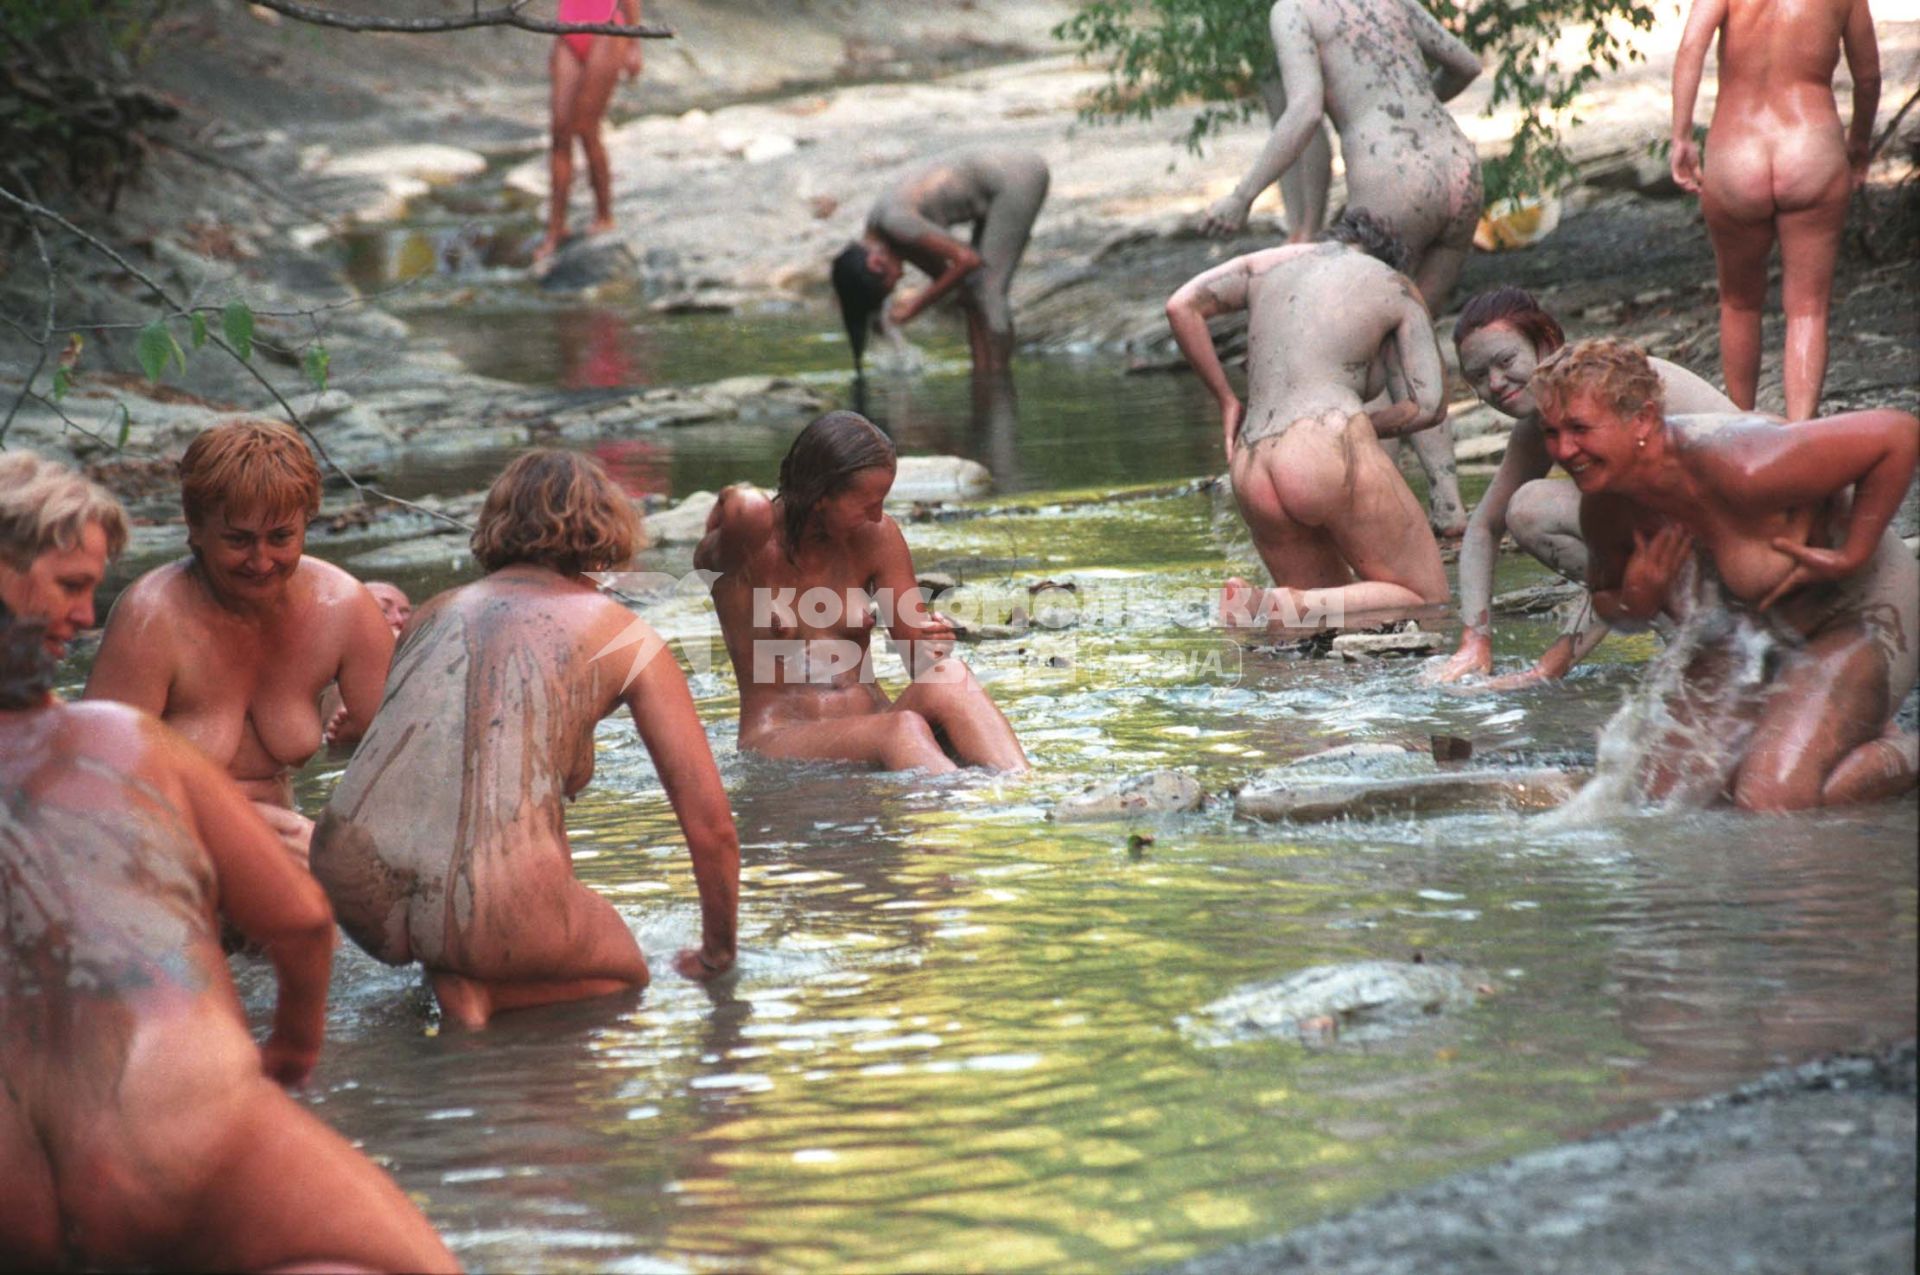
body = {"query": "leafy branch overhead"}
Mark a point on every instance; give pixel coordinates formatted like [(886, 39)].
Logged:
[(1163, 54)]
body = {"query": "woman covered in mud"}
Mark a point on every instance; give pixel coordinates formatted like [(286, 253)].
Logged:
[(1500, 338), (1330, 326), (140, 1126), (233, 645), (446, 840), (1382, 71), (999, 191), (1778, 166), (801, 576), (1767, 506)]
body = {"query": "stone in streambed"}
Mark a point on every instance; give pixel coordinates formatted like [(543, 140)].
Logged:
[(1307, 794), (1409, 641), (1365, 1000), (938, 478), (588, 261), (685, 523), (1158, 792)]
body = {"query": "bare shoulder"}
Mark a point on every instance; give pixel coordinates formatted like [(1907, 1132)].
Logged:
[(744, 507), (877, 541), (156, 592)]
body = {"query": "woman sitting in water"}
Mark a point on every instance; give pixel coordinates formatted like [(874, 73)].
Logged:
[(1767, 505), (1500, 337), (140, 1126), (233, 645), (446, 840), (798, 579)]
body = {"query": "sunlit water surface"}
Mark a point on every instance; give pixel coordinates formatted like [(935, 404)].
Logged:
[(953, 1039)]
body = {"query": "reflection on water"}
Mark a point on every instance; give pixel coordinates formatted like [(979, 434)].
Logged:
[(953, 1042), (953, 1039)]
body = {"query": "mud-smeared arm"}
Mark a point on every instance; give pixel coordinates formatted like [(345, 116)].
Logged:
[(1415, 373), (1221, 290), (1454, 64), (1299, 62)]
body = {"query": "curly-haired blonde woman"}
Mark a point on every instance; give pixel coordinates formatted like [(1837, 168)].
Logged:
[(446, 841)]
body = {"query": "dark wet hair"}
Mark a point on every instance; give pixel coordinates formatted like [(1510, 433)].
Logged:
[(1516, 308), (822, 461), (862, 291), (26, 670), (1358, 228)]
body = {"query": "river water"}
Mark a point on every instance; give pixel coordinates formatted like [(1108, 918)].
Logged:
[(953, 1041)]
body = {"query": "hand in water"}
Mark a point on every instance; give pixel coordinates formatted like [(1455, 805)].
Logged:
[(1656, 561), (1811, 566), (693, 963), (1475, 657), (287, 1064), (898, 354), (1684, 160), (1227, 216)]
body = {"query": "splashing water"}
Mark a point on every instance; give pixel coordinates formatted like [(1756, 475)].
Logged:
[(1680, 735)]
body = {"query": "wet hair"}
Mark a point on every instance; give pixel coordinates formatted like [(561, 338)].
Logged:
[(1358, 228), (1516, 308), (822, 461), (556, 509), (1613, 371), (44, 505), (249, 467), (862, 290), (26, 670)]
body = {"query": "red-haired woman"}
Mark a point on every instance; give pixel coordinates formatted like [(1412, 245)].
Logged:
[(446, 840), (233, 645), (800, 578), (1500, 337), (1793, 522)]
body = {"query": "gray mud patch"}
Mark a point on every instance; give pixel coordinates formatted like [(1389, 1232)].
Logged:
[(1807, 1171)]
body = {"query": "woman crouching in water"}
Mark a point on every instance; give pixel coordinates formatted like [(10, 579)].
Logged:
[(1767, 506), (1500, 338), (140, 1125), (799, 577), (446, 840)]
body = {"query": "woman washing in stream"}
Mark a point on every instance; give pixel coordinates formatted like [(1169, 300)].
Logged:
[(1768, 508), (1500, 338)]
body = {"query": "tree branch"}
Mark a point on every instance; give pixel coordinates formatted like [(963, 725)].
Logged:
[(507, 15), (107, 250)]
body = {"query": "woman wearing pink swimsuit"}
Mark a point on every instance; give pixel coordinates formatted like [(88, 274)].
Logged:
[(584, 69)]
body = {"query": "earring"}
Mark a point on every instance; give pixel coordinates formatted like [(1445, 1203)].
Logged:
[(1640, 443)]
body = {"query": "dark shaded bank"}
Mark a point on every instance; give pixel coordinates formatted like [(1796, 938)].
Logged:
[(1806, 1171)]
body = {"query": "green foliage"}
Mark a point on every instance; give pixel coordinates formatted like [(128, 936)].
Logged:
[(315, 365), (236, 321), (156, 347), (1167, 53)]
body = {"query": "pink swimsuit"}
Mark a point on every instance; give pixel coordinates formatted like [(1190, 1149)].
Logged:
[(583, 11)]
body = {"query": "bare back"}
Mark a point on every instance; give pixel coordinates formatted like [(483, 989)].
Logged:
[(1316, 322), (111, 977), (449, 823)]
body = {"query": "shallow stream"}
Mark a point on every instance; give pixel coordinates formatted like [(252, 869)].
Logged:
[(954, 1039)]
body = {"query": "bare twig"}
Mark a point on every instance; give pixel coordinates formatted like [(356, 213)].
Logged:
[(1886, 134), (112, 254), (46, 334), (507, 15)]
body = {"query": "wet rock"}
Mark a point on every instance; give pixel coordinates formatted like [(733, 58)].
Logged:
[(683, 524), (424, 161), (1307, 795), (1537, 599), (1366, 1000), (1056, 604), (1158, 792), (445, 550), (701, 301), (1412, 641), (935, 583), (1483, 450), (589, 261), (349, 427), (938, 478)]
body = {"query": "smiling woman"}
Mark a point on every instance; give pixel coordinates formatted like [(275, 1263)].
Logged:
[(58, 531), (1768, 507), (233, 645)]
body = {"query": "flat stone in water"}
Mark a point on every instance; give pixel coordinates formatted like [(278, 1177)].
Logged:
[(685, 523), (936, 478), (1374, 781), (1158, 792), (1366, 1000)]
